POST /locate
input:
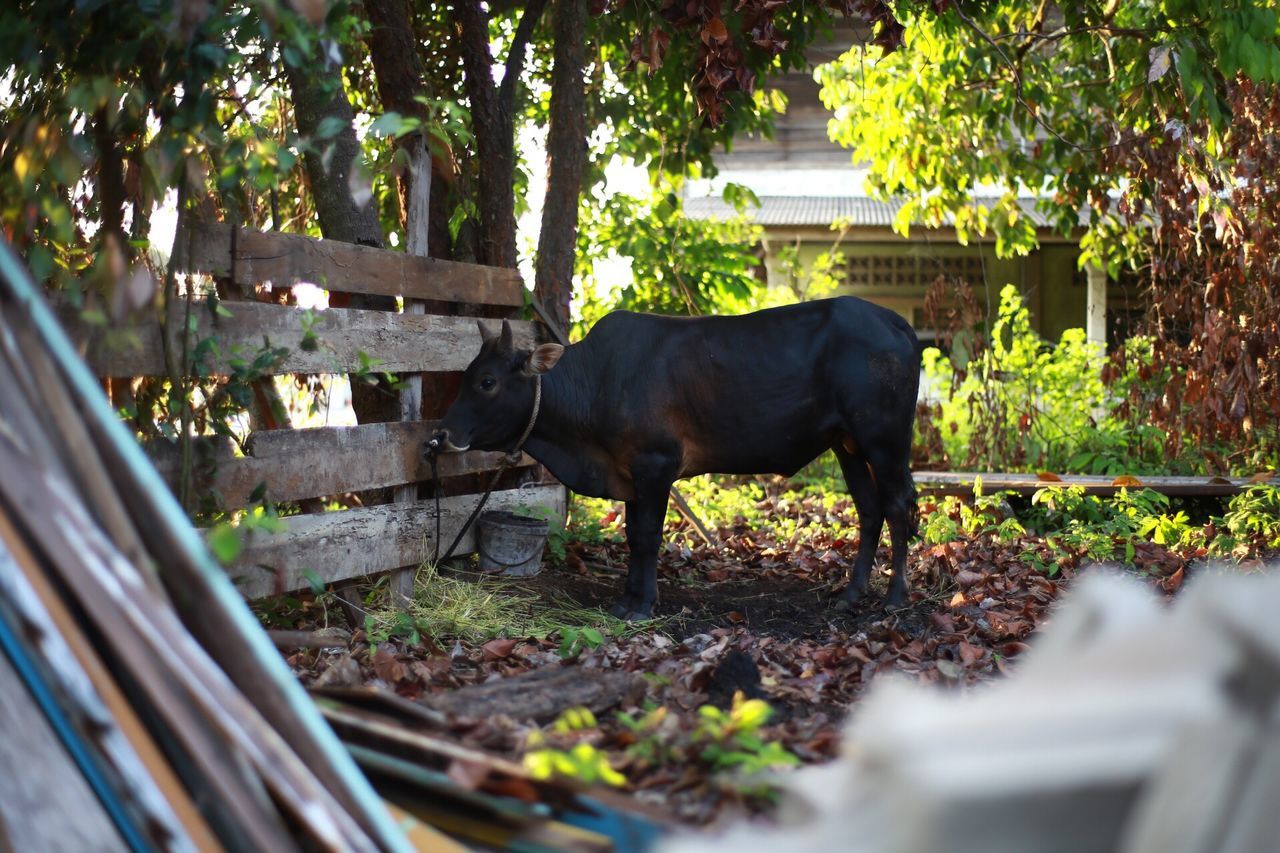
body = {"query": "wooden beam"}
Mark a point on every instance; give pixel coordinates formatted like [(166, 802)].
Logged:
[(334, 546), (285, 259), (417, 218), (44, 788), (297, 464), (961, 483), (338, 338)]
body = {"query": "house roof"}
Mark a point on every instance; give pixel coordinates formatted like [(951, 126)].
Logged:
[(860, 211)]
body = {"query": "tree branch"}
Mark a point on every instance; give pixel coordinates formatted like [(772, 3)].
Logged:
[(1016, 70), (516, 55)]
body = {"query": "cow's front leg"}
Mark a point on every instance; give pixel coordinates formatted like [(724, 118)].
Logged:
[(644, 537), (645, 515)]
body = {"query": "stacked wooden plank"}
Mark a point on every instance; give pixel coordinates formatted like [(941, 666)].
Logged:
[(142, 706), (128, 651), (302, 464), (1128, 727)]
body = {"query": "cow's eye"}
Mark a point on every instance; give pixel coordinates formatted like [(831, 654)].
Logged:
[(488, 383)]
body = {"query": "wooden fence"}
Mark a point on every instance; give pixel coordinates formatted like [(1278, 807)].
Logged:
[(297, 465)]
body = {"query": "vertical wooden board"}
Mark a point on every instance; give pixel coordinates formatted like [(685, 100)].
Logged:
[(333, 546)]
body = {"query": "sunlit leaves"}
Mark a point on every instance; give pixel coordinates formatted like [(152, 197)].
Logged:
[(679, 265), (1027, 97)]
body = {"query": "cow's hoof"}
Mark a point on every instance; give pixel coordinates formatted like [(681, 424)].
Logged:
[(629, 611), (848, 600), (894, 599), (623, 608), (630, 615)]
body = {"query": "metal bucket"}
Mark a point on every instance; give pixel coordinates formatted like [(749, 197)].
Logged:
[(509, 543)]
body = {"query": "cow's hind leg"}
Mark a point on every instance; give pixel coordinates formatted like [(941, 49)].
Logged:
[(898, 501), (653, 476), (857, 476)]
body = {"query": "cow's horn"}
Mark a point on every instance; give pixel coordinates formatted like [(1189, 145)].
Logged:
[(504, 345), (486, 337)]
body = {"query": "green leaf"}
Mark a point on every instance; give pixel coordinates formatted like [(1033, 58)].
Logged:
[(329, 127), (226, 543)]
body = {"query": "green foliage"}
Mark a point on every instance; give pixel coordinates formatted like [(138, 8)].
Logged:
[(983, 514), (679, 265), (1252, 517), (1074, 525), (226, 539), (1102, 528), (1105, 528), (594, 521), (398, 625), (645, 112), (1021, 404), (1032, 96), (582, 761), (820, 279), (574, 640), (153, 93), (733, 739)]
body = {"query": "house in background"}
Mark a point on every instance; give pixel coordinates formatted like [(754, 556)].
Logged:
[(805, 183)]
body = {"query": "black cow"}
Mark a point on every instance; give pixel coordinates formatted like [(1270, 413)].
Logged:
[(644, 400)]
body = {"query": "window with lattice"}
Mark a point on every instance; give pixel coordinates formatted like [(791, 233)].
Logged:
[(907, 271)]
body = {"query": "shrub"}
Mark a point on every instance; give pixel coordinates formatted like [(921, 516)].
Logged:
[(1020, 403)]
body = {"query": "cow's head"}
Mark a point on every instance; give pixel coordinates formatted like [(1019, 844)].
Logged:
[(495, 401)]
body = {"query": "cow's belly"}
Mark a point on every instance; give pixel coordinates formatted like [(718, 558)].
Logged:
[(754, 454)]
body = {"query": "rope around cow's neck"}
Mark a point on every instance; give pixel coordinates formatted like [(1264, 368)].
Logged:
[(507, 461)]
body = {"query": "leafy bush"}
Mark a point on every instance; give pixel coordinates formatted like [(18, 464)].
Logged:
[(732, 739), (679, 265), (984, 514), (724, 741), (1019, 403), (1252, 517), (1062, 525), (1106, 528)]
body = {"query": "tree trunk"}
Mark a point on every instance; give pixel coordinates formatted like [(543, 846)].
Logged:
[(111, 192), (398, 71), (318, 94), (491, 111), (566, 161), (494, 138)]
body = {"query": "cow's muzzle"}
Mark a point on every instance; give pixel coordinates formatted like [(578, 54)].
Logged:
[(441, 443)]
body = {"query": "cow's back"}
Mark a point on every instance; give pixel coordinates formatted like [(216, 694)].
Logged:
[(766, 391)]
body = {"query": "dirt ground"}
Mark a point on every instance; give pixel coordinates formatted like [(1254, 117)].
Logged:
[(765, 603)]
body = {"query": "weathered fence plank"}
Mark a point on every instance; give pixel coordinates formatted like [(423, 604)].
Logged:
[(333, 546), (297, 464), (961, 483), (263, 339), (399, 343), (285, 259)]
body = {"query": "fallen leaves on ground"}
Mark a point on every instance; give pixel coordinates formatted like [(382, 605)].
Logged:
[(976, 603)]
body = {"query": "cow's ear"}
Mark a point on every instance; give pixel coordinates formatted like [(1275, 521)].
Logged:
[(486, 337), (504, 344), (543, 359)]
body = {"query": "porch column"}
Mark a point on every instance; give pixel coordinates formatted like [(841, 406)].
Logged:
[(1096, 305)]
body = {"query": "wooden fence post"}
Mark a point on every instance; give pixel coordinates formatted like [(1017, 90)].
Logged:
[(416, 220)]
